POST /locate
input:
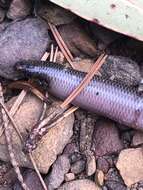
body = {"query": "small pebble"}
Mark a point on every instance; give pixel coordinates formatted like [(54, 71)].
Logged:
[(99, 177), (78, 167), (90, 165), (103, 164), (84, 184), (137, 138), (69, 176)]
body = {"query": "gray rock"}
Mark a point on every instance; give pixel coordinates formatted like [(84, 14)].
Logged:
[(70, 149), (84, 184), (103, 164), (114, 180), (78, 167), (78, 42), (51, 144), (112, 185), (121, 69), (59, 169), (106, 138), (26, 39), (19, 9), (31, 180)]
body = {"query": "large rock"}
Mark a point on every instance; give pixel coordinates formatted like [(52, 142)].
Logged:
[(84, 184), (78, 42), (49, 147), (25, 39), (130, 165), (106, 138)]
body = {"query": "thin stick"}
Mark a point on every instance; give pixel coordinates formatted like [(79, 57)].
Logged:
[(12, 120), (14, 109), (55, 55), (85, 81), (62, 42), (37, 171), (9, 144), (52, 53), (61, 47)]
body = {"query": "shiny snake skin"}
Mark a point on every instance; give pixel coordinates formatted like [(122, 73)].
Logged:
[(102, 96)]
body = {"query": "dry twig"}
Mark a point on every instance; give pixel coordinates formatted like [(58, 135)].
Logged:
[(85, 81), (12, 112), (62, 44), (9, 143)]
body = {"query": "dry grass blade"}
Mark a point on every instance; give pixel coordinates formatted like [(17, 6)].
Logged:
[(85, 81), (12, 120), (23, 92), (64, 51), (37, 171), (62, 42), (52, 53), (29, 87), (58, 119), (14, 109), (8, 140), (10, 148), (55, 55)]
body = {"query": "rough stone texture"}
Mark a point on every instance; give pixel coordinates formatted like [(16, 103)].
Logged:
[(137, 138), (59, 169), (69, 177), (49, 147), (103, 35), (103, 164), (86, 132), (78, 167), (99, 177), (25, 39), (126, 137), (31, 179), (54, 14), (82, 64), (79, 185), (112, 185), (106, 138), (19, 9), (70, 149), (114, 181), (130, 165), (90, 165), (6, 187), (2, 14), (121, 69), (78, 41)]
